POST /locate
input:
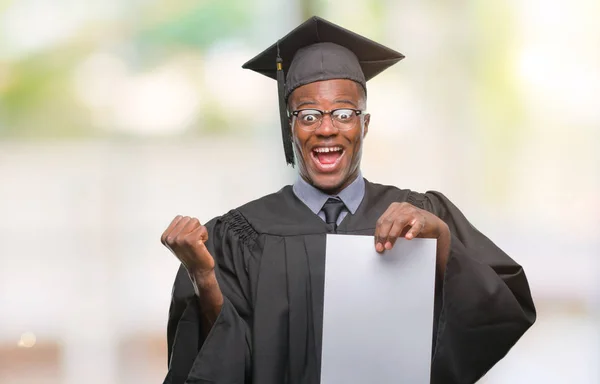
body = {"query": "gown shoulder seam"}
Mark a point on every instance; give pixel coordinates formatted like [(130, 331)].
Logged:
[(240, 226), (416, 199)]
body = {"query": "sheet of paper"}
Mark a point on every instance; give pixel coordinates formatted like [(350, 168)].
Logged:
[(378, 311)]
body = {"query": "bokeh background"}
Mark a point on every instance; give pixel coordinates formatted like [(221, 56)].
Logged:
[(117, 115)]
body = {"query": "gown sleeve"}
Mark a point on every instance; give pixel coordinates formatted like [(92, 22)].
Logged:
[(225, 355), (484, 303)]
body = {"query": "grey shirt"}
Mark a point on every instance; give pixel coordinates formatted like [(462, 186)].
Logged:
[(314, 199)]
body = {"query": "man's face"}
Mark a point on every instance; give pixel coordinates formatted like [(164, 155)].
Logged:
[(329, 157)]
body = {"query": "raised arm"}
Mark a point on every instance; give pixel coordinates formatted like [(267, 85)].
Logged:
[(208, 331)]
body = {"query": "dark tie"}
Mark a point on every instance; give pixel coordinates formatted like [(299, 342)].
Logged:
[(332, 208)]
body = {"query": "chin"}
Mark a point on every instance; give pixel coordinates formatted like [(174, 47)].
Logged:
[(328, 183)]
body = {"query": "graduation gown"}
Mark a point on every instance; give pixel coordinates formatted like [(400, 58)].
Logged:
[(270, 257)]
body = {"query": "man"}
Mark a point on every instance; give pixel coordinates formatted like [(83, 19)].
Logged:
[(247, 302)]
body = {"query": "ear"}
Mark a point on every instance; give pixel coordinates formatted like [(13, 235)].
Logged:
[(367, 121)]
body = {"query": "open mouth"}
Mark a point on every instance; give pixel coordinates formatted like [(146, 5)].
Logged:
[(327, 158)]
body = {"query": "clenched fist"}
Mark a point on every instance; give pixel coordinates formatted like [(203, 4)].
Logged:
[(185, 237)]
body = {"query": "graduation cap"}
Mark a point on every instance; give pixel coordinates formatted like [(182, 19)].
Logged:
[(314, 51)]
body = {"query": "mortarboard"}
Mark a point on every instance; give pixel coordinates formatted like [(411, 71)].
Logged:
[(319, 50)]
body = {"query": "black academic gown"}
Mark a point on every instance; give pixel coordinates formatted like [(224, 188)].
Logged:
[(270, 256)]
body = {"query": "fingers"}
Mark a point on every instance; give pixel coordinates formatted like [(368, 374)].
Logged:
[(163, 238), (188, 227), (185, 238), (389, 226), (172, 236), (179, 228), (383, 227), (417, 225), (196, 239), (399, 220), (400, 227)]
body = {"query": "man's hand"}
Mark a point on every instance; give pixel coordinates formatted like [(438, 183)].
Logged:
[(406, 220), (185, 237)]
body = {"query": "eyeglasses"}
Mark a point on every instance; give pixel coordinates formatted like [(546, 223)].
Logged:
[(343, 119)]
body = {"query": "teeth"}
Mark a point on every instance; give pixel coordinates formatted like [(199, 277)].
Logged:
[(327, 149)]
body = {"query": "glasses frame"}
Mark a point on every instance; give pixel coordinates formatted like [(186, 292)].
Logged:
[(358, 112)]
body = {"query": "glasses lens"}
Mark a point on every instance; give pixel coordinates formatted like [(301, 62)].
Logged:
[(309, 118), (344, 118)]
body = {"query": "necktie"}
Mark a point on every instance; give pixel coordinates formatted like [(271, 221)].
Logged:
[(332, 208)]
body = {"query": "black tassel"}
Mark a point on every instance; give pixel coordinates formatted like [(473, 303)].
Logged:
[(285, 125)]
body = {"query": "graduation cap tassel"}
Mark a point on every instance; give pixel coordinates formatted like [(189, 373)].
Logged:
[(285, 125)]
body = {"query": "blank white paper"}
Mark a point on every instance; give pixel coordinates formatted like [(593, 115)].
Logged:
[(378, 311)]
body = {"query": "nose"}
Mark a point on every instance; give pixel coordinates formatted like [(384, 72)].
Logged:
[(326, 128)]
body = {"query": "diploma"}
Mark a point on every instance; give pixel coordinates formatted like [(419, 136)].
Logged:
[(378, 311)]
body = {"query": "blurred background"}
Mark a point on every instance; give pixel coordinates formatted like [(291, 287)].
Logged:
[(115, 116)]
